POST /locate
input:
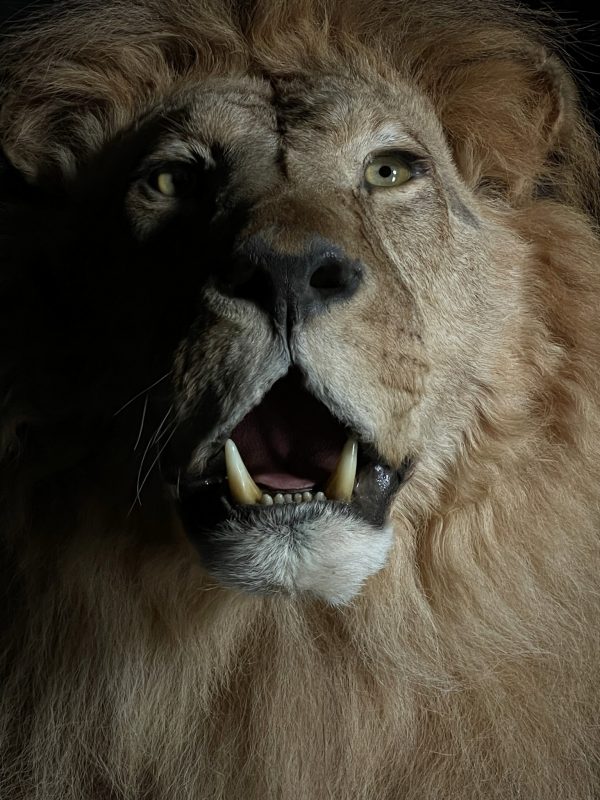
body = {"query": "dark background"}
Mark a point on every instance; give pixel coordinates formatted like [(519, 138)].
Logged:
[(583, 46)]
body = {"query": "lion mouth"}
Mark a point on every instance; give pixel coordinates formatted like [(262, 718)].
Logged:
[(291, 500), (291, 451), (287, 447)]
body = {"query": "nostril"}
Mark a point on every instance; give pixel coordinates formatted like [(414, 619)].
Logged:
[(288, 286), (334, 274), (254, 286)]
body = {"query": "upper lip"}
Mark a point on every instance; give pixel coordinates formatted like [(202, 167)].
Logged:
[(287, 430)]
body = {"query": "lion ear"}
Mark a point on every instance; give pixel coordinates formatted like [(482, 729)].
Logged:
[(508, 118)]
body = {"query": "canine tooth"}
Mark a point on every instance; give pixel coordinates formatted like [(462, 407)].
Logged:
[(320, 496), (267, 500), (297, 498), (278, 498), (287, 498), (307, 497), (242, 487), (341, 483)]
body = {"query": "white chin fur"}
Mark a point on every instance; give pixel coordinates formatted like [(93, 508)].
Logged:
[(329, 555), (337, 562)]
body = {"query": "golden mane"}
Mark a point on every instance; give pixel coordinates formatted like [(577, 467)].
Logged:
[(469, 668)]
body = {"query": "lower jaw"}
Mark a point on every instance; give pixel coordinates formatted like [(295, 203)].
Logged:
[(321, 548)]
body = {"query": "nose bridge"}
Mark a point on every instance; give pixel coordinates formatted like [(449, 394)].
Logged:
[(290, 224), (287, 259)]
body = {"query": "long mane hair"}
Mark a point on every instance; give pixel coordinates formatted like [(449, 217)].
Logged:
[(468, 668)]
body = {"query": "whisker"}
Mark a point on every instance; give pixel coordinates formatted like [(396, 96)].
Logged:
[(158, 435), (151, 440), (135, 447), (144, 391), (141, 467), (141, 485)]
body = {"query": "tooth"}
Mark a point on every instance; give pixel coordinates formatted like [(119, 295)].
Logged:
[(279, 498), (320, 496), (307, 497), (297, 498), (287, 498), (341, 483), (267, 500), (241, 486)]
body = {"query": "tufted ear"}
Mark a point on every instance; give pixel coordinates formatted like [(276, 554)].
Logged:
[(509, 119)]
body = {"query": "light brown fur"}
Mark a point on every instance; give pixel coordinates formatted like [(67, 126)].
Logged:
[(468, 667)]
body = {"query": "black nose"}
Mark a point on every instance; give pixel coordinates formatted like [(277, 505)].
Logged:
[(291, 287)]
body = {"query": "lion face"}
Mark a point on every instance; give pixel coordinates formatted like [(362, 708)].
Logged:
[(322, 291), (316, 233)]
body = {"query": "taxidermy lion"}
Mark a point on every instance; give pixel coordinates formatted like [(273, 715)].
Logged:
[(300, 405)]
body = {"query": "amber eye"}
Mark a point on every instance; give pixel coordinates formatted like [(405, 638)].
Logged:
[(174, 180), (387, 170)]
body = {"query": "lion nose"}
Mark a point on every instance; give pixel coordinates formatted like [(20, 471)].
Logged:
[(291, 286)]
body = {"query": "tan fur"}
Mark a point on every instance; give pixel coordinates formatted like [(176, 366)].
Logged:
[(468, 667)]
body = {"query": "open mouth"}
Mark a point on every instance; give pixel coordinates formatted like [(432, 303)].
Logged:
[(289, 451)]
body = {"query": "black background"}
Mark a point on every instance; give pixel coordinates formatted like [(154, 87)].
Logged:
[(584, 50)]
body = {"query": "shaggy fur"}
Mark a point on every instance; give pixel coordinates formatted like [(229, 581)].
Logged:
[(467, 667)]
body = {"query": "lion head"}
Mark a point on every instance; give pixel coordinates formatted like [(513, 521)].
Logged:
[(298, 381)]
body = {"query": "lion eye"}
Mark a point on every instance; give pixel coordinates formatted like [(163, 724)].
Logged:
[(387, 171), (176, 181), (166, 184)]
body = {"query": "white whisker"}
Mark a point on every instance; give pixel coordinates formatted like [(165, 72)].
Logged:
[(144, 391), (157, 434), (141, 467), (141, 485), (135, 447), (152, 440)]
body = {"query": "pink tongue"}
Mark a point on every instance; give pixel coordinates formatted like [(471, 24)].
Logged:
[(289, 441)]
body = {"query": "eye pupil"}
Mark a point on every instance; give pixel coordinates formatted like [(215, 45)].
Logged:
[(387, 170)]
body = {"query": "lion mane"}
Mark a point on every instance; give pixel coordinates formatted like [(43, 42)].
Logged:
[(467, 667)]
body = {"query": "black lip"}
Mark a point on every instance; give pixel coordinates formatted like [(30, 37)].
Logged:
[(204, 504)]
